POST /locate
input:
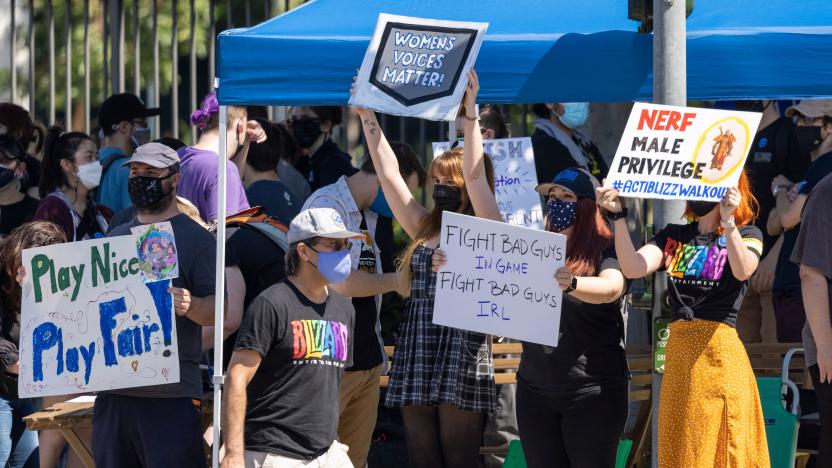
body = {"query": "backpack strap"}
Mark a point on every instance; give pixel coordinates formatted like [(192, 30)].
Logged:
[(256, 218), (109, 162)]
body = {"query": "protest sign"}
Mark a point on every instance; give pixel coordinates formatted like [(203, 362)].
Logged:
[(681, 153), (499, 279), (416, 67), (90, 322), (515, 179)]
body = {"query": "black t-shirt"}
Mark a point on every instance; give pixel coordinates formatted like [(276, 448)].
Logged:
[(699, 272), (293, 401), (12, 216), (326, 166), (276, 198), (590, 351), (260, 261), (551, 157), (368, 352), (196, 250), (786, 273), (774, 151)]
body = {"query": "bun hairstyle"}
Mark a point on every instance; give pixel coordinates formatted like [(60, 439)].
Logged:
[(201, 117), (57, 146)]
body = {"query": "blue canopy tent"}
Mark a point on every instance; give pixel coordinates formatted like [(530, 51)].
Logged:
[(534, 51), (541, 51)]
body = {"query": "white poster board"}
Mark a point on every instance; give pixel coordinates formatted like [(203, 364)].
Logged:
[(499, 279), (683, 153), (415, 67), (515, 179), (89, 322)]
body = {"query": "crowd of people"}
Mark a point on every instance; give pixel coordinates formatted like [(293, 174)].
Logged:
[(304, 350)]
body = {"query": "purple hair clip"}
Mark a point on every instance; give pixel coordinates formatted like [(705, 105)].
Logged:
[(209, 107)]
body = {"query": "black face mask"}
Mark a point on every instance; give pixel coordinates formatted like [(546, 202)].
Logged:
[(446, 197), (306, 131), (808, 137), (701, 208), (147, 193)]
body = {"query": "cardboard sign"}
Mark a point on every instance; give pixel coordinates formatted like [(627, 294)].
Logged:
[(416, 67), (514, 179), (683, 153), (90, 322), (499, 279)]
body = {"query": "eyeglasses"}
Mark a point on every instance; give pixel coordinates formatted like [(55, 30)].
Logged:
[(335, 245), (800, 119)]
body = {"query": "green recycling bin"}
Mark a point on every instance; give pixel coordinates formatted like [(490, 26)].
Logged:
[(781, 423)]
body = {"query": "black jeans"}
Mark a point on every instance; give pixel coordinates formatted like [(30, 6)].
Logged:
[(580, 430), (823, 391)]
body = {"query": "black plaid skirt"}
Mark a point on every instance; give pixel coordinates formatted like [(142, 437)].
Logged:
[(435, 364)]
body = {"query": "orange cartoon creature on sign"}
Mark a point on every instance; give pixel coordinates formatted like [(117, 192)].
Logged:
[(723, 145)]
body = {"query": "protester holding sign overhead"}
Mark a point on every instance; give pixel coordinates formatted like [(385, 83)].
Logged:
[(18, 446), (558, 144), (160, 425), (709, 408), (441, 377)]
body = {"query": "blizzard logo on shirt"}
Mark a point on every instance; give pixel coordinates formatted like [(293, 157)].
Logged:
[(695, 262), (319, 342)]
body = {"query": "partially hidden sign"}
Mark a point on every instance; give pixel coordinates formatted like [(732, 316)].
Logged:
[(681, 153), (515, 179), (499, 279), (90, 322), (416, 67)]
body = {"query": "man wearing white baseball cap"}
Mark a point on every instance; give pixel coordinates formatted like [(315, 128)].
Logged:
[(281, 400)]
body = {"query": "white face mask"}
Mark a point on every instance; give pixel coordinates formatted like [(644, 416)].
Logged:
[(90, 174)]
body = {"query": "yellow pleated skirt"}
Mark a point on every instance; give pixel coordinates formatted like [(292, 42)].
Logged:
[(709, 409)]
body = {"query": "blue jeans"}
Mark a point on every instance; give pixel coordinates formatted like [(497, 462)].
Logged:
[(18, 445)]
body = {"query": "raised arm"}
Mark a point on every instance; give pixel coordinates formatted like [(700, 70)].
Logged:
[(634, 264), (408, 212), (473, 164)]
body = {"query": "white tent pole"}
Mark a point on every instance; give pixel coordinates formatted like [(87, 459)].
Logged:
[(219, 291)]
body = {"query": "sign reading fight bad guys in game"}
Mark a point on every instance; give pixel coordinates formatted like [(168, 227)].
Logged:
[(416, 67), (682, 153), (91, 322), (515, 179), (499, 279)]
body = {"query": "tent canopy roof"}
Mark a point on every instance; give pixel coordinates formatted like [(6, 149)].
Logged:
[(541, 50)]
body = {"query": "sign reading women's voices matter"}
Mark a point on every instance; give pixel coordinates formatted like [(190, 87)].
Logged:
[(499, 279), (684, 153), (90, 322), (415, 67)]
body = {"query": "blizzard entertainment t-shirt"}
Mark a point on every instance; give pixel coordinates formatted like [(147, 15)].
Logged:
[(699, 273), (293, 398)]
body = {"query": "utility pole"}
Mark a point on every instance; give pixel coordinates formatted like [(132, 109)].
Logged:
[(669, 87)]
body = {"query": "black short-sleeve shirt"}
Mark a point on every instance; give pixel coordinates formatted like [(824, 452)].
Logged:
[(293, 403), (699, 272), (590, 349)]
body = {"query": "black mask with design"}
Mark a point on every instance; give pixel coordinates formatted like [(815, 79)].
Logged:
[(447, 197), (147, 193), (701, 208), (808, 137), (306, 131)]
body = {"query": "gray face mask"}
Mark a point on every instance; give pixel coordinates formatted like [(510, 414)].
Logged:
[(141, 136)]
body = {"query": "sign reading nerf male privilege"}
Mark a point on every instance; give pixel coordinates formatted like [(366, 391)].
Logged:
[(499, 279), (416, 67), (682, 153), (90, 322), (514, 179)]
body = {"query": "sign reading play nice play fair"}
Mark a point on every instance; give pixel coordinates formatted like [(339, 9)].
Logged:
[(416, 67), (93, 320), (682, 153)]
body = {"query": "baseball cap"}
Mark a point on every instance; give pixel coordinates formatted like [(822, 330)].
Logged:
[(318, 222), (811, 108), (120, 107), (154, 154), (577, 180)]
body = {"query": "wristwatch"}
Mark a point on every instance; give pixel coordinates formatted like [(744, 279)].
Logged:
[(572, 286), (619, 215)]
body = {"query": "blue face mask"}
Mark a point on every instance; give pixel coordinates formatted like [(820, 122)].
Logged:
[(561, 215), (381, 206), (335, 266), (575, 114)]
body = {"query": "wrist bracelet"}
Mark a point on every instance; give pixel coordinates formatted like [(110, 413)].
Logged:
[(616, 216)]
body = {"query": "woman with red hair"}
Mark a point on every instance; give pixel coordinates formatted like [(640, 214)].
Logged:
[(709, 409), (572, 400)]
